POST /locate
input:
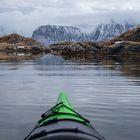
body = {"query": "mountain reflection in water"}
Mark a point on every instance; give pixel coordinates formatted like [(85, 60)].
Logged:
[(128, 65), (105, 90)]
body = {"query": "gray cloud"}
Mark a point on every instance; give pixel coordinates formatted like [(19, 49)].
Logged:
[(25, 10), (26, 15)]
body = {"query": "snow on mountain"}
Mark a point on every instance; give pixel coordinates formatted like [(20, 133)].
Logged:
[(50, 34), (110, 30)]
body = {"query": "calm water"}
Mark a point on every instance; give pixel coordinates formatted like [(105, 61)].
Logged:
[(107, 92)]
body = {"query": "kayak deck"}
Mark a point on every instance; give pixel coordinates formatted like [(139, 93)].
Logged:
[(66, 130), (62, 110), (62, 122)]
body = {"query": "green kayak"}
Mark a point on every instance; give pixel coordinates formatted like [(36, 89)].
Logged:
[(62, 122)]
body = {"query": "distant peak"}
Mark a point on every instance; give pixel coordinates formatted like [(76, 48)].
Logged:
[(58, 26)]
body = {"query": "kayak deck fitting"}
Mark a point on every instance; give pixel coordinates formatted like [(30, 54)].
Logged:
[(62, 122)]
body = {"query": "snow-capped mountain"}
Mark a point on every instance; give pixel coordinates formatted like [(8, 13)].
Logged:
[(50, 34), (110, 30)]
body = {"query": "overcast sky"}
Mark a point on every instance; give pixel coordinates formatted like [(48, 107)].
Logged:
[(26, 15)]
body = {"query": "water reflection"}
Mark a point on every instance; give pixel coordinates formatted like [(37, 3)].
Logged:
[(129, 65), (17, 57), (104, 89)]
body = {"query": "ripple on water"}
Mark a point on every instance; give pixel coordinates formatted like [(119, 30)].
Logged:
[(102, 93)]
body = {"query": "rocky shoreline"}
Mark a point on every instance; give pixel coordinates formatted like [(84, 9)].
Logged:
[(17, 57), (118, 48), (19, 44), (126, 44)]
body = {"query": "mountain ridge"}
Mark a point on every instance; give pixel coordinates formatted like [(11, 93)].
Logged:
[(50, 34), (110, 30)]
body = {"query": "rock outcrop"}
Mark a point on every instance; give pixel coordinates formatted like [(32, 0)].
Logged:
[(125, 44), (124, 48), (15, 42), (131, 35), (75, 48)]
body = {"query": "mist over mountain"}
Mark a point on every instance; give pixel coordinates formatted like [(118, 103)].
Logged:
[(50, 34), (6, 31), (3, 31), (110, 30)]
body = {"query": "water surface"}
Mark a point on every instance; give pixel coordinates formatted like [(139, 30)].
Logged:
[(106, 91)]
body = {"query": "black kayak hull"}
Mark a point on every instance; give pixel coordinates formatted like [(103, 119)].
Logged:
[(65, 130)]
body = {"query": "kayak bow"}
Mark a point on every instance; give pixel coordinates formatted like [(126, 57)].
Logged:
[(62, 122)]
